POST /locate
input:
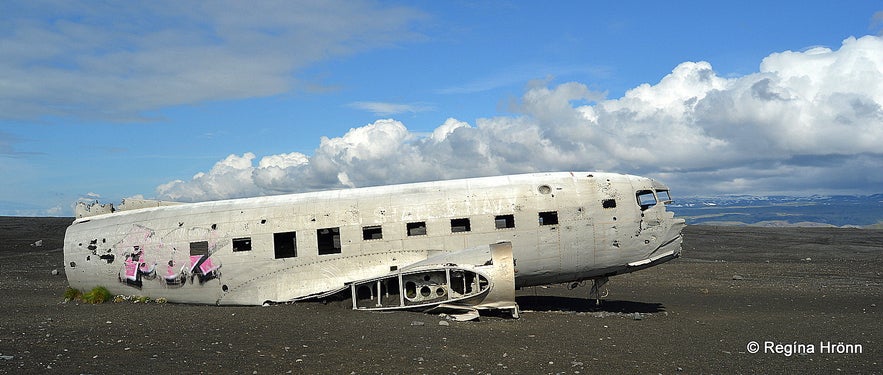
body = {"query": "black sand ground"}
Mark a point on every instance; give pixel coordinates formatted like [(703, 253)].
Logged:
[(796, 288)]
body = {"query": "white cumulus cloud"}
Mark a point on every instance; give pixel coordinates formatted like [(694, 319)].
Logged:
[(806, 122)]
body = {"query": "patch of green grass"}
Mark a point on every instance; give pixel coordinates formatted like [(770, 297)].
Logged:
[(98, 294), (72, 294), (142, 299)]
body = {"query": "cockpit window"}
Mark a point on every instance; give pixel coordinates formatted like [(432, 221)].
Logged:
[(664, 197), (646, 199)]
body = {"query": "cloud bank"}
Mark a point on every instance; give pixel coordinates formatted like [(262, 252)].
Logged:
[(806, 122), (79, 58)]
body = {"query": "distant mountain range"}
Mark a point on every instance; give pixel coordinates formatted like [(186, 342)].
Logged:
[(857, 211)]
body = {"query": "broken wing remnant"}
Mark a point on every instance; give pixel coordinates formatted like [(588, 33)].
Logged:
[(483, 278)]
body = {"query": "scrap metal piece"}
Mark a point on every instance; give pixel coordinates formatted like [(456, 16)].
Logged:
[(456, 312), (477, 278)]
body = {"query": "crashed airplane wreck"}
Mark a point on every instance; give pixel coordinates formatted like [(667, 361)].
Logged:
[(462, 245)]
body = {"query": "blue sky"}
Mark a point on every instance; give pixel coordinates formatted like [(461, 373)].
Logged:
[(212, 100)]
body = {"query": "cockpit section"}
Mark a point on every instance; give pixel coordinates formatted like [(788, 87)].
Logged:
[(649, 198), (664, 196), (646, 199)]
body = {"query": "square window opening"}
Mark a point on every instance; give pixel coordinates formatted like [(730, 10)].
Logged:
[(548, 218), (504, 221), (608, 203), (285, 245), (374, 232), (199, 248), (417, 229), (242, 244), (460, 225), (328, 240)]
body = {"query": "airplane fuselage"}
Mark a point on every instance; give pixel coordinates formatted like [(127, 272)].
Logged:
[(562, 227)]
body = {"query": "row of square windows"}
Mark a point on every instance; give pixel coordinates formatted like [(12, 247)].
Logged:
[(328, 239)]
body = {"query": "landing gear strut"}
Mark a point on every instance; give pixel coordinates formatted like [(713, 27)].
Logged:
[(596, 292)]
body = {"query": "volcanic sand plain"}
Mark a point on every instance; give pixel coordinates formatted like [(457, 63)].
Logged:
[(809, 297)]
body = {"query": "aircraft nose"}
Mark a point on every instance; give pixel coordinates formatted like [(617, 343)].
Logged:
[(674, 232), (678, 224)]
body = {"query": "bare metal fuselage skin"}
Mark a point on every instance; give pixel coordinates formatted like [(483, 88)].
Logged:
[(562, 227)]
